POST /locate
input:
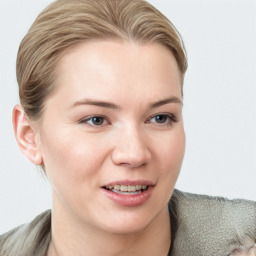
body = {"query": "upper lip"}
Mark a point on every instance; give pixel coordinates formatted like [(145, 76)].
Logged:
[(129, 182)]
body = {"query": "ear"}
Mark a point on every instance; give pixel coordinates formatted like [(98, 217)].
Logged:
[(25, 135)]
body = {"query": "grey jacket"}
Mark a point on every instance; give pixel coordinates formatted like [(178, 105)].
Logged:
[(201, 226)]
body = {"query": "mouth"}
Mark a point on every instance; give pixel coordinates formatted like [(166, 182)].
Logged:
[(127, 189), (129, 193)]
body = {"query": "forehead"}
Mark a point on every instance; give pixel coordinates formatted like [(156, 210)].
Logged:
[(117, 69)]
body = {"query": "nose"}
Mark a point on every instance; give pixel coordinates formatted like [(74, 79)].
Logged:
[(131, 149)]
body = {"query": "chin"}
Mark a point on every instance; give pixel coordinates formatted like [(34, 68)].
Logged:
[(124, 229), (128, 223)]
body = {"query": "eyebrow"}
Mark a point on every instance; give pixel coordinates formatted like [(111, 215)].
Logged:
[(110, 105), (103, 104), (166, 101)]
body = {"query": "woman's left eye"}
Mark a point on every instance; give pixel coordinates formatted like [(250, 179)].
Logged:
[(94, 121), (163, 119)]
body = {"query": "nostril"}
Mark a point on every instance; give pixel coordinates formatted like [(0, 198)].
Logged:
[(132, 164), (130, 159)]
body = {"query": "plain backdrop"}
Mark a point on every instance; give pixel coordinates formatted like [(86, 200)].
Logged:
[(219, 103)]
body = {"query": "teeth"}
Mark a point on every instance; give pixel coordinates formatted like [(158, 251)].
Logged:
[(127, 188), (124, 188), (138, 187), (116, 187), (131, 188)]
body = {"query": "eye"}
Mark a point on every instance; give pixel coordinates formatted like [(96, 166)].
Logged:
[(94, 121), (163, 119), (160, 119)]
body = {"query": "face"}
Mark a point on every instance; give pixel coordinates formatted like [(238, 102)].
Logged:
[(111, 135)]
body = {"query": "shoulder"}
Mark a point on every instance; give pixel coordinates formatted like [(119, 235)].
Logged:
[(28, 239), (207, 225)]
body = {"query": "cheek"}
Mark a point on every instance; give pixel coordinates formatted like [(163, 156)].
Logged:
[(172, 153), (168, 165), (70, 159)]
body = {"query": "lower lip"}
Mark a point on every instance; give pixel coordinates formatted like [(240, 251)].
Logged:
[(129, 200)]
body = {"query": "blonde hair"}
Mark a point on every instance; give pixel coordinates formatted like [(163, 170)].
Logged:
[(67, 22)]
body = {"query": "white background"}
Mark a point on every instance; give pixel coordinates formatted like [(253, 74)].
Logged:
[(219, 103)]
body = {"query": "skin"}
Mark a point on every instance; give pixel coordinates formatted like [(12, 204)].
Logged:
[(245, 252), (139, 136)]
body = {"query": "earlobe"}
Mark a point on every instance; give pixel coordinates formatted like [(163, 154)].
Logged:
[(25, 135)]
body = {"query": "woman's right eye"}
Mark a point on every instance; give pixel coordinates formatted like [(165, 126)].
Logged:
[(94, 121)]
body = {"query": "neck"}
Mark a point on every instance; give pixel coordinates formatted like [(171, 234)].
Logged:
[(71, 238)]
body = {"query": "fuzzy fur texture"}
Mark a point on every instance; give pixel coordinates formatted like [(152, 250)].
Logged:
[(212, 226)]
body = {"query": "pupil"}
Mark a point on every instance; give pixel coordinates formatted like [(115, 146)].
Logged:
[(161, 119), (97, 120)]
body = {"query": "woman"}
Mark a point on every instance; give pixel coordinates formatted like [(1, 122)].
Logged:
[(101, 112)]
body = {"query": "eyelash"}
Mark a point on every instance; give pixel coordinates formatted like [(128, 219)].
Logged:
[(169, 119), (90, 118)]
